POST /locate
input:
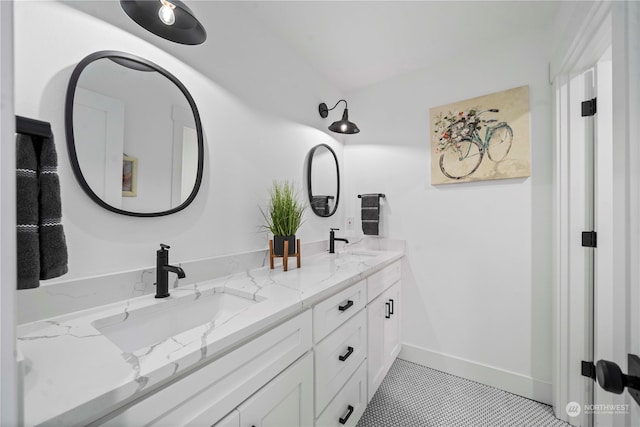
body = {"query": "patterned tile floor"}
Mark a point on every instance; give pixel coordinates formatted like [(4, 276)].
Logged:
[(414, 395)]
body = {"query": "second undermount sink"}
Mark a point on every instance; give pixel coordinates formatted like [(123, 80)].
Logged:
[(151, 325)]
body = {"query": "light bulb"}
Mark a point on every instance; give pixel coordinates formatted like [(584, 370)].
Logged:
[(343, 127), (166, 13)]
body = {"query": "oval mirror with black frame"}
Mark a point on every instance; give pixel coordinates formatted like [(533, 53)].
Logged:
[(323, 180), (134, 135)]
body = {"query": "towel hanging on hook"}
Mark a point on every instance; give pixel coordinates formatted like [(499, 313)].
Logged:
[(41, 244)]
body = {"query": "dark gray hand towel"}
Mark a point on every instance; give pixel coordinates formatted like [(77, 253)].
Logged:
[(41, 245), (53, 246), (370, 211), (28, 243)]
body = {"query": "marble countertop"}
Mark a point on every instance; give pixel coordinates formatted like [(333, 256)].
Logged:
[(74, 373)]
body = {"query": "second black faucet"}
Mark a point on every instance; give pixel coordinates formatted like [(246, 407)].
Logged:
[(332, 240)]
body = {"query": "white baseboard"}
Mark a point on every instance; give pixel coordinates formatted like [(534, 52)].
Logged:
[(509, 381)]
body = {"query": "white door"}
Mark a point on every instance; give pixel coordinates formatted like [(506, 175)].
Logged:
[(617, 292), (98, 121), (286, 401), (599, 322)]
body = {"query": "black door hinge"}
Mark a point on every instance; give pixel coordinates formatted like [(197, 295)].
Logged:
[(589, 108), (588, 370), (589, 239)]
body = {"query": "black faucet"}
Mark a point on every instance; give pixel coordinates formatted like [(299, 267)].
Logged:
[(332, 240), (162, 271)]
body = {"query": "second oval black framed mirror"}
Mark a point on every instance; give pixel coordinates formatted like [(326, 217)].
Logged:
[(134, 135), (323, 180)]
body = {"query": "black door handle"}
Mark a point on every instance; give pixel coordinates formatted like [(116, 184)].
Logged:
[(346, 306), (346, 355), (346, 417), (611, 378), (391, 309), (387, 313)]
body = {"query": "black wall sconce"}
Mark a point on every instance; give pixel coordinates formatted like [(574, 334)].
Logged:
[(343, 125), (171, 20)]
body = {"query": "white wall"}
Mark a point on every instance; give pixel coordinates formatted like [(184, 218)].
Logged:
[(477, 284), (245, 149)]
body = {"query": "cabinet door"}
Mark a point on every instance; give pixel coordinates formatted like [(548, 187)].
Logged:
[(286, 401), (375, 346), (383, 325), (231, 420), (392, 326)]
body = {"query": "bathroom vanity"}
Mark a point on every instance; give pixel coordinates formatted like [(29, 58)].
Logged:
[(304, 347)]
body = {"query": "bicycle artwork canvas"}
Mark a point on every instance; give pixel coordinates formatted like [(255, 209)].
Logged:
[(484, 138)]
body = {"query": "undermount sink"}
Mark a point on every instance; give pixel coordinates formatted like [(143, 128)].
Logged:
[(151, 325)]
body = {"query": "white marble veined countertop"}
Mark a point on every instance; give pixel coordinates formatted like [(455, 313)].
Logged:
[(74, 373)]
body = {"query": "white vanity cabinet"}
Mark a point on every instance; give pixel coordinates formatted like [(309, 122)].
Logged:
[(319, 368), (213, 391), (383, 323)]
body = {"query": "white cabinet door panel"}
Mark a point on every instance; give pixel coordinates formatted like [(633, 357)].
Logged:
[(286, 401)]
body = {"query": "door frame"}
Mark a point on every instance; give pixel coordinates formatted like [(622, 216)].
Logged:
[(10, 398), (605, 25)]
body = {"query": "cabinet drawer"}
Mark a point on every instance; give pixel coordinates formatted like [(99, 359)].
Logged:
[(353, 395), (332, 312), (338, 356), (208, 394), (378, 282)]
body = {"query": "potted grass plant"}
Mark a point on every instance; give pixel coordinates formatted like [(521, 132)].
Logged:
[(283, 216)]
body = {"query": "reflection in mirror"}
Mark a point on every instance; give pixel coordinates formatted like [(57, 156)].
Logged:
[(134, 135), (323, 180)]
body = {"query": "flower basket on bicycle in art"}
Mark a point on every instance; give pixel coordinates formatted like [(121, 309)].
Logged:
[(460, 146)]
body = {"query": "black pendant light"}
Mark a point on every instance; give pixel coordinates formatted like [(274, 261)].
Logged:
[(171, 20), (343, 125)]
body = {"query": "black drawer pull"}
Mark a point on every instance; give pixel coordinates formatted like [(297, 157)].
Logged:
[(387, 312), (391, 310), (346, 417), (346, 355), (346, 306)]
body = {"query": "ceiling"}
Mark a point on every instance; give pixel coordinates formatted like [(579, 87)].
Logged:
[(359, 43)]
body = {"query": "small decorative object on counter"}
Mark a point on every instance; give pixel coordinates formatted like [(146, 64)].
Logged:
[(283, 217), (285, 258)]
